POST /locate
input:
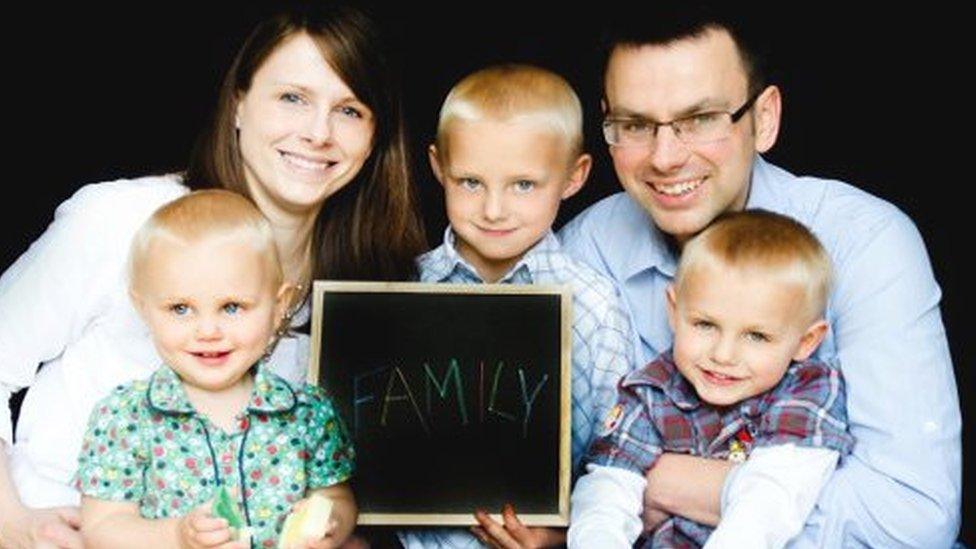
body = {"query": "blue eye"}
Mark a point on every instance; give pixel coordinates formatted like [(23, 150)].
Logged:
[(469, 183), (351, 112), (292, 97), (703, 325), (757, 337), (524, 185), (232, 308), (179, 309)]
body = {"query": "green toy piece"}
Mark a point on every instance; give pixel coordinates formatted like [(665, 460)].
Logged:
[(225, 506)]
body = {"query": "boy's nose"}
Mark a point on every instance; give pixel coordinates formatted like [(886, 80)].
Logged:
[(723, 351), (208, 329), (494, 206)]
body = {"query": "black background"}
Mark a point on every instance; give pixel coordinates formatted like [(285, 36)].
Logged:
[(443, 461), (876, 99)]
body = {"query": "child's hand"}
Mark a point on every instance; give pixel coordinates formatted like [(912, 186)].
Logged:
[(328, 538), (512, 534), (200, 529), (328, 541)]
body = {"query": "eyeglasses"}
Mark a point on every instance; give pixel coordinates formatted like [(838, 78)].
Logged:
[(703, 127)]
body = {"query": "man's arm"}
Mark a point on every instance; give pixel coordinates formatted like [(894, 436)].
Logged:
[(901, 485), (686, 486)]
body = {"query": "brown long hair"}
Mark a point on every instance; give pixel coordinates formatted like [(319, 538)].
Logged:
[(371, 228)]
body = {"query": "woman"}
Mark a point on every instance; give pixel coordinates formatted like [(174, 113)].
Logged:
[(308, 125)]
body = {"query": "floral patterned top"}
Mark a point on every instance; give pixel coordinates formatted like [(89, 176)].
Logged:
[(145, 443)]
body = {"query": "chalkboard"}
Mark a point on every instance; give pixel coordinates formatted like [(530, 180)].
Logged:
[(456, 396)]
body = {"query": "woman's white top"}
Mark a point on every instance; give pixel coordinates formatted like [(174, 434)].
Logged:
[(64, 304)]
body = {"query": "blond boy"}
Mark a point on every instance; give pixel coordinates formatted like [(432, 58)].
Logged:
[(746, 309), (508, 151)]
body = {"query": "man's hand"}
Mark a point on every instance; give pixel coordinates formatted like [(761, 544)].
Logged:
[(512, 534)]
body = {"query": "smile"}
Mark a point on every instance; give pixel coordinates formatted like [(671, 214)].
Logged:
[(716, 378), (678, 189), (496, 232), (211, 358), (305, 163)]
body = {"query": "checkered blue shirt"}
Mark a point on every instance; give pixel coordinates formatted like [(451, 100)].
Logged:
[(659, 411), (602, 351)]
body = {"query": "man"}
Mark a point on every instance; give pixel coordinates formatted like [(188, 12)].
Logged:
[(687, 114), (901, 485)]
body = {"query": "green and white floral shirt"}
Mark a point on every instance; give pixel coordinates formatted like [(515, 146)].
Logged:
[(145, 443)]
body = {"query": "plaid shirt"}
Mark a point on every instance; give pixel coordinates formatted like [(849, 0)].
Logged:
[(659, 411), (602, 351)]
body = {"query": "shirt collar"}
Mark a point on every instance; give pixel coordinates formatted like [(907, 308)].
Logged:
[(270, 393), (650, 250), (663, 374), (444, 262), (761, 190), (653, 251)]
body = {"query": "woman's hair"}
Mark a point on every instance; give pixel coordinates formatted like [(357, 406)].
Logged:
[(371, 228), (201, 216)]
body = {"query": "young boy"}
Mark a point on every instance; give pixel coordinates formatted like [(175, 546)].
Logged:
[(206, 279), (508, 151), (746, 308)]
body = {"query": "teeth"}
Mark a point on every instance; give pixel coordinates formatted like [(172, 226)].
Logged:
[(679, 188), (305, 163)]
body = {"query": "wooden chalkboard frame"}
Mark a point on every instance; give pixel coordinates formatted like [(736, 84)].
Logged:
[(464, 517)]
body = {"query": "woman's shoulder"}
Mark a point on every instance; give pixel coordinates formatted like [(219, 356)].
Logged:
[(113, 210), (139, 193)]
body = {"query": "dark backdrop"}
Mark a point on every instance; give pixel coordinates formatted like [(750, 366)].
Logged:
[(95, 93)]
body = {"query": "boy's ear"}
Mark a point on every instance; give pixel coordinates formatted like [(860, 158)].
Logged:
[(672, 305), (577, 175), (435, 163), (810, 340)]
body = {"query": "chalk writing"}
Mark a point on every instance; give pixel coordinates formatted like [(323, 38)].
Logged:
[(383, 394)]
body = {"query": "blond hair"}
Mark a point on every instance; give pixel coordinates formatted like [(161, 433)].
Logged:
[(514, 93), (776, 245), (200, 216)]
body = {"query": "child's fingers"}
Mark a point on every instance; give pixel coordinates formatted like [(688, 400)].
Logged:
[(322, 543), (207, 523), (212, 538), (238, 544)]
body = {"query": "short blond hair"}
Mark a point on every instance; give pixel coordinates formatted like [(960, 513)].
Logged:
[(514, 93), (774, 244), (200, 216)]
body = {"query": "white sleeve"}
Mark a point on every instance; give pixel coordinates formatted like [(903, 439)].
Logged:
[(766, 500), (605, 508), (50, 295)]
